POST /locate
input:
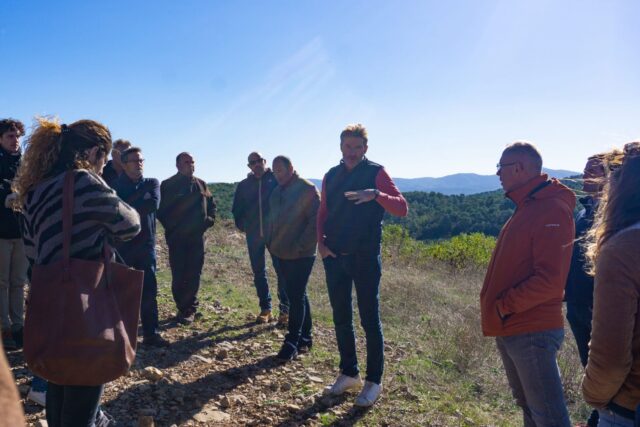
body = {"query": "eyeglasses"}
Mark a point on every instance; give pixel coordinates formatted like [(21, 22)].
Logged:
[(255, 161), (504, 165)]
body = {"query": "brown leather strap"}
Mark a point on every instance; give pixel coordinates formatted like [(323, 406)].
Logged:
[(67, 219)]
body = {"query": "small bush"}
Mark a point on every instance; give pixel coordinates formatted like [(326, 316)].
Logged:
[(463, 251)]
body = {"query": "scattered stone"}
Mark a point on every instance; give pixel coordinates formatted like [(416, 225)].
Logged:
[(225, 402), (201, 358), (211, 416), (315, 379), (293, 408), (285, 386), (152, 374), (41, 423), (222, 354), (23, 389)]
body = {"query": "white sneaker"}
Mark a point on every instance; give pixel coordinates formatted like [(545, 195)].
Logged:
[(343, 383), (38, 397), (369, 394)]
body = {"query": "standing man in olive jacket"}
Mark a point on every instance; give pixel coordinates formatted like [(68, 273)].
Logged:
[(187, 210), (13, 261), (291, 238), (250, 208)]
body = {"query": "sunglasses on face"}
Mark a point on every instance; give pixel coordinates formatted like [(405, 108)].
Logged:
[(255, 162)]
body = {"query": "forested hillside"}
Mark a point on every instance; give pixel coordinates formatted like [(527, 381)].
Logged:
[(432, 216)]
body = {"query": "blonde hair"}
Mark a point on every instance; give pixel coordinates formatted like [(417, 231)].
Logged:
[(619, 207), (53, 148), (355, 130)]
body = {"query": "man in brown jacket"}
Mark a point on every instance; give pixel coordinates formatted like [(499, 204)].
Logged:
[(521, 299)]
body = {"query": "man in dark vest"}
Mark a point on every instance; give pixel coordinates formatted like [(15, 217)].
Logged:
[(186, 211), (250, 208), (13, 261), (355, 196), (143, 194)]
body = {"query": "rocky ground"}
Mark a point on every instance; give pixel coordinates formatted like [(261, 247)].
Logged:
[(219, 372)]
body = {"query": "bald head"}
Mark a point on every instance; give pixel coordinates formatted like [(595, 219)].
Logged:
[(520, 163)]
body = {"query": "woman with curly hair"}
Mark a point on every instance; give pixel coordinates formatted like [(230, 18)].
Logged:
[(98, 215), (612, 378)]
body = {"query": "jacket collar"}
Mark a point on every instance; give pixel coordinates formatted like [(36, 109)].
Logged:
[(293, 178), (125, 178), (266, 173), (528, 190), (4, 152)]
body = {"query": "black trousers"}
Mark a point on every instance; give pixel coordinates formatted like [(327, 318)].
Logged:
[(72, 406), (186, 257)]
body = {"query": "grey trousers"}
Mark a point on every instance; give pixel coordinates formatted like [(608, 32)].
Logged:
[(13, 277)]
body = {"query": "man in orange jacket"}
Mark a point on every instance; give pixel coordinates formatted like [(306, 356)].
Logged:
[(521, 299)]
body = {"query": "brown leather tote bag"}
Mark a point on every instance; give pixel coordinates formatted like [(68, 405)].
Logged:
[(82, 317)]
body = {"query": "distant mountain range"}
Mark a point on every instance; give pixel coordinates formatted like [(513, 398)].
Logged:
[(459, 183)]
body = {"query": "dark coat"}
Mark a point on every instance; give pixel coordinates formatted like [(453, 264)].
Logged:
[(109, 174), (144, 197), (291, 224), (579, 287), (187, 208), (9, 219), (251, 202)]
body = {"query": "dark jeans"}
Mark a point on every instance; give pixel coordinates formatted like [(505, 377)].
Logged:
[(579, 317), (532, 371), (186, 257), (364, 271), (72, 406), (256, 248), (296, 276), (149, 303)]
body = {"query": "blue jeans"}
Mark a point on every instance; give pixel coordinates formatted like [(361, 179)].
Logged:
[(611, 419), (296, 274), (256, 247), (72, 406), (363, 271), (532, 371), (38, 384)]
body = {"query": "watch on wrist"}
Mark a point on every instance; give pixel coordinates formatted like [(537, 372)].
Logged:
[(377, 193)]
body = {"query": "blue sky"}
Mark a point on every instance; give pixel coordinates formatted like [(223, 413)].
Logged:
[(442, 86)]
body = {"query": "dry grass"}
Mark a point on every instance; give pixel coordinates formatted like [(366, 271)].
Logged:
[(440, 370)]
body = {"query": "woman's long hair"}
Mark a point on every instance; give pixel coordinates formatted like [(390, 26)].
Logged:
[(53, 148), (620, 204)]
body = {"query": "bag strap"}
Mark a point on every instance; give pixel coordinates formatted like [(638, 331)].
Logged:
[(67, 220)]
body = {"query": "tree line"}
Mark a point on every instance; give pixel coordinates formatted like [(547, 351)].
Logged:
[(432, 216)]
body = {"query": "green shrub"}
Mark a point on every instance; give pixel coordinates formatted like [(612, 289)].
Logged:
[(465, 250), (462, 251)]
